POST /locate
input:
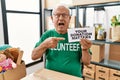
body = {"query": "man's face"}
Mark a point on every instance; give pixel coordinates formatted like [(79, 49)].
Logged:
[(61, 19)]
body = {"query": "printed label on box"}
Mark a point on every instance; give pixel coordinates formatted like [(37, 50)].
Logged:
[(76, 34)]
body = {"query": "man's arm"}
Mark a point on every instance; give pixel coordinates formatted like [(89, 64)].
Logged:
[(50, 42), (38, 51), (86, 56)]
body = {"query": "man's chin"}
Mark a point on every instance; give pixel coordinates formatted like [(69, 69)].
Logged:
[(61, 31)]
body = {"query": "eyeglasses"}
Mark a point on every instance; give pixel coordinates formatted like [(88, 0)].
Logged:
[(63, 15)]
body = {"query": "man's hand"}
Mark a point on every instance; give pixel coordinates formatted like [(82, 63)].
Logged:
[(85, 44), (52, 41)]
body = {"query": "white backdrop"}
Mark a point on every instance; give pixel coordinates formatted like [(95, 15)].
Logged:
[(1, 27)]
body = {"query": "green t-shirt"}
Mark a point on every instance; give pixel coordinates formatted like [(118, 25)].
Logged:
[(65, 57)]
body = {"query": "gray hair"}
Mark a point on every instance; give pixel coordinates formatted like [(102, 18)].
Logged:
[(60, 5)]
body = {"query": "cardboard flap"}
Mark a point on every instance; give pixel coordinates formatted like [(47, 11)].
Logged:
[(1, 76)]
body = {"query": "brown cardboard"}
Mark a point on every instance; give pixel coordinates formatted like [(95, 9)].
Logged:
[(114, 52), (19, 58), (97, 52), (51, 4), (14, 74), (116, 34), (90, 66), (89, 72), (102, 73), (1, 77), (114, 74)]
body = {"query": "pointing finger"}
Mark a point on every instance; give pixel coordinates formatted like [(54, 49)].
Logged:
[(60, 38)]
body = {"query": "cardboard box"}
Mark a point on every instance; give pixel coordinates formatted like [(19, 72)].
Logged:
[(51, 4), (97, 52), (116, 34), (14, 74), (89, 72), (114, 52), (90, 66), (114, 74), (102, 73)]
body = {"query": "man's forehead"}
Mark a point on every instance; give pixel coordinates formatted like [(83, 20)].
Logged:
[(61, 10)]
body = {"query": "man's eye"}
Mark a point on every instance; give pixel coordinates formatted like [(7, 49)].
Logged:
[(63, 15), (56, 15)]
